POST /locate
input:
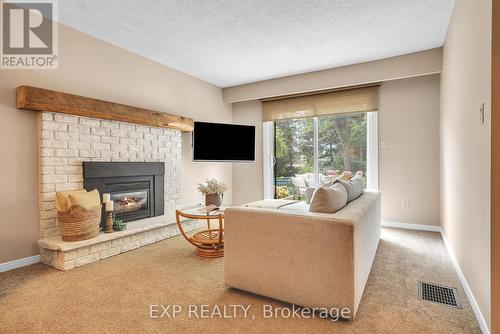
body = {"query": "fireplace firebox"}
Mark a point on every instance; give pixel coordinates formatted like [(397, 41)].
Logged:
[(137, 188)]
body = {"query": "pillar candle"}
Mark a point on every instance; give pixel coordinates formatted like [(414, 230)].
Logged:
[(106, 198), (109, 206)]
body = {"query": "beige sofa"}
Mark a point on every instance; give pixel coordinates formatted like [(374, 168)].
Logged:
[(307, 259)]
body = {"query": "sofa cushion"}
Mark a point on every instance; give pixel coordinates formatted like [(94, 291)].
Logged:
[(310, 179), (329, 199), (354, 187), (299, 181), (301, 207), (270, 203)]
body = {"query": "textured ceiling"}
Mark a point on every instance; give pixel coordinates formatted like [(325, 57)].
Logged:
[(233, 42)]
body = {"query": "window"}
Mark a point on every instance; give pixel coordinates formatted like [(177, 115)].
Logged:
[(312, 151), (342, 143), (294, 154)]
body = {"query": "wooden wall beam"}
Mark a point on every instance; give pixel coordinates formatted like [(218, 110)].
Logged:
[(39, 99)]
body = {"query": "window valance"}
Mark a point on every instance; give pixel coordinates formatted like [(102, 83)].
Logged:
[(362, 99)]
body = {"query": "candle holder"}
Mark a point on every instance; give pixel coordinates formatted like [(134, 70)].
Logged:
[(109, 222)]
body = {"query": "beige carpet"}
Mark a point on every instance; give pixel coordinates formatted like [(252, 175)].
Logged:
[(114, 295)]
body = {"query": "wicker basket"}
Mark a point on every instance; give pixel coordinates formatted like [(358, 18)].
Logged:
[(79, 224)]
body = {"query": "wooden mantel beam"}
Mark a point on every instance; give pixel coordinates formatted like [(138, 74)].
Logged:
[(39, 99)]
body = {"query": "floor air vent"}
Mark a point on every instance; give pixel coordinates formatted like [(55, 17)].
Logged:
[(438, 294)]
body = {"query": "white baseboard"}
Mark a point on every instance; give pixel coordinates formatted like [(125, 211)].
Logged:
[(419, 227), (465, 285), (472, 301), (6, 266)]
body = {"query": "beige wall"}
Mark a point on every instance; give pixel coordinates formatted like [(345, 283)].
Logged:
[(18, 177), (405, 66), (495, 170), (94, 68), (247, 177), (409, 166), (465, 144)]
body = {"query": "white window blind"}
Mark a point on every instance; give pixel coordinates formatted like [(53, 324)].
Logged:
[(364, 99)]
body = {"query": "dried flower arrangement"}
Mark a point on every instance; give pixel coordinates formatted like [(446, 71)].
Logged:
[(212, 187)]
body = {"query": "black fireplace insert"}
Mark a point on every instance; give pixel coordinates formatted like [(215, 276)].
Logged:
[(137, 188)]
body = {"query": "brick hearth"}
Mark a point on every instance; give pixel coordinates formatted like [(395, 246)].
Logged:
[(64, 143), (65, 255)]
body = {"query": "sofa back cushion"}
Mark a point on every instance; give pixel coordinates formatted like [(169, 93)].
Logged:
[(354, 187), (329, 199)]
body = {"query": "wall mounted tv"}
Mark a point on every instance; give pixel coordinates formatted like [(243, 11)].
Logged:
[(223, 142)]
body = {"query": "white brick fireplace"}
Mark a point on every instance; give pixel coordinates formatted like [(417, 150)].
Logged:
[(64, 143)]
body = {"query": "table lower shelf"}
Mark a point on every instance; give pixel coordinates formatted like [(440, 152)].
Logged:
[(208, 243), (206, 237), (210, 253)]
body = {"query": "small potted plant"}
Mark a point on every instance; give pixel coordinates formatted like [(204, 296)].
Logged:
[(213, 191)]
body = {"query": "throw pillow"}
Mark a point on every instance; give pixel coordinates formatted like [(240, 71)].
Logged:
[(87, 200), (354, 187), (62, 198), (346, 176), (328, 199)]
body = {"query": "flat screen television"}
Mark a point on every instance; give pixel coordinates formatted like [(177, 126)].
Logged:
[(223, 142)]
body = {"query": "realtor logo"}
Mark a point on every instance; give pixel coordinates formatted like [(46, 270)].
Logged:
[(29, 34)]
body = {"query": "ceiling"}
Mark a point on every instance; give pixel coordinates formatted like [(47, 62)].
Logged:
[(231, 42)]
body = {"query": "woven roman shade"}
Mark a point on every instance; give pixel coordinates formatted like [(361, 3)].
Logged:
[(339, 102)]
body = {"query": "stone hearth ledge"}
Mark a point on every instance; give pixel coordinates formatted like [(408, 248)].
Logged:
[(64, 255)]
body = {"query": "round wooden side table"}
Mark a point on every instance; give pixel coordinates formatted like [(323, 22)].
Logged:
[(209, 243)]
